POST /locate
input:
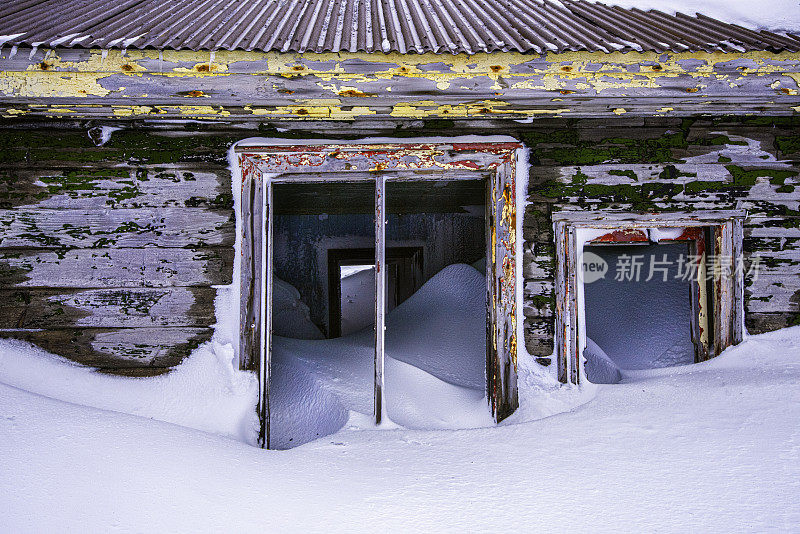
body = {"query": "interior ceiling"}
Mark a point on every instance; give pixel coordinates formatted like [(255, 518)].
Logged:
[(425, 196)]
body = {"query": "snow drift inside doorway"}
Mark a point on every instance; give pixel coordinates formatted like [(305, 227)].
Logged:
[(435, 367)]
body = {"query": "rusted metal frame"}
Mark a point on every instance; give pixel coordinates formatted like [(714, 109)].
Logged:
[(360, 176), (380, 296), (381, 157), (377, 148)]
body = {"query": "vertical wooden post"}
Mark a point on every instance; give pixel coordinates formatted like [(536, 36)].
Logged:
[(265, 360), (573, 264), (380, 293), (491, 372), (562, 332), (501, 361), (738, 280)]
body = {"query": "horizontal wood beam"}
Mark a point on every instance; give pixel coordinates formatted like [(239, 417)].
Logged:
[(121, 348), (116, 267)]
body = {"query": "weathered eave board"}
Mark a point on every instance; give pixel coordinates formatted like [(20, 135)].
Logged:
[(237, 86)]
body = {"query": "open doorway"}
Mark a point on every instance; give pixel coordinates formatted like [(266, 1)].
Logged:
[(645, 291), (351, 284), (640, 315), (302, 178), (325, 283)]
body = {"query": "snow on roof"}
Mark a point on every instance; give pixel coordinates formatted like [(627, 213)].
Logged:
[(405, 26), (774, 15)]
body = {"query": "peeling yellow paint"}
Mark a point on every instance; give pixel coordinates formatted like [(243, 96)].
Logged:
[(495, 65), (564, 73), (330, 111), (619, 111), (31, 84), (129, 111), (203, 110), (345, 90), (428, 108)]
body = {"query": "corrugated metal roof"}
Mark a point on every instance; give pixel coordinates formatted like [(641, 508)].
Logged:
[(404, 26)]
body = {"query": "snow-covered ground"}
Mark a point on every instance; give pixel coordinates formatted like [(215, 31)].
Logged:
[(712, 447)]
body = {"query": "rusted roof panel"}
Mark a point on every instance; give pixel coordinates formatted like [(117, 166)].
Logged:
[(406, 26)]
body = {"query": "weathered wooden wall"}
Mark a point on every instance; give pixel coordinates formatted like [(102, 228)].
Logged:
[(678, 165), (108, 252)]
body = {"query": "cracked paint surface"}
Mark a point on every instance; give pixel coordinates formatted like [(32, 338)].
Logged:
[(349, 85)]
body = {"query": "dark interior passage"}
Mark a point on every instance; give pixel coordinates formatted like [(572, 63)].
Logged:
[(318, 224)]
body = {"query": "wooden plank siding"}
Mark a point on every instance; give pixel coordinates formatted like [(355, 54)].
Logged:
[(107, 256), (108, 252)]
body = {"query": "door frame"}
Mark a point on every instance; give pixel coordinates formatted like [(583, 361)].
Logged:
[(718, 304), (353, 256), (281, 161)]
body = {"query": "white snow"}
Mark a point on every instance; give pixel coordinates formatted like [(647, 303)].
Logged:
[(357, 297), (291, 316), (435, 366), (712, 447), (204, 392), (765, 14)]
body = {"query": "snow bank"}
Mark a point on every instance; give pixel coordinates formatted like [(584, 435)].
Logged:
[(441, 328), (204, 392), (711, 447), (767, 14), (291, 316), (600, 369)]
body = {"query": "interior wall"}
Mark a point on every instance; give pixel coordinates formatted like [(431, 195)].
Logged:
[(301, 243)]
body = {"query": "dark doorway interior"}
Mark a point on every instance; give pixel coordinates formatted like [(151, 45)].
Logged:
[(641, 319), (351, 284), (319, 226)]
